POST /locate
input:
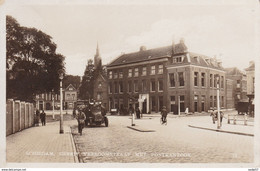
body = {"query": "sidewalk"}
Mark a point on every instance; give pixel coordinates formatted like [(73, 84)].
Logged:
[(42, 144)]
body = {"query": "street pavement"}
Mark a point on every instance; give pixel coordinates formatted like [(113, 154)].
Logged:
[(175, 142), (42, 144)]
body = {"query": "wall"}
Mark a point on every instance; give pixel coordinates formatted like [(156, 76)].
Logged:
[(19, 116)]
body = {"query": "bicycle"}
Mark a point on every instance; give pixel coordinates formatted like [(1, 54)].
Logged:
[(163, 122)]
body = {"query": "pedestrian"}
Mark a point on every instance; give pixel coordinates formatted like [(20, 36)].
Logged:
[(81, 117), (43, 118), (131, 110), (164, 114), (138, 112), (37, 117)]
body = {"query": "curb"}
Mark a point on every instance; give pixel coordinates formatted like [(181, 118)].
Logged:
[(76, 157), (217, 130), (140, 130)]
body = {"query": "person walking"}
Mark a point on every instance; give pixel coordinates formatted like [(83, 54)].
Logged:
[(37, 117), (43, 118), (164, 114), (81, 117), (138, 112)]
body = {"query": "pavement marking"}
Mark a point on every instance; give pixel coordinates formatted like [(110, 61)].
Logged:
[(218, 130), (140, 130)]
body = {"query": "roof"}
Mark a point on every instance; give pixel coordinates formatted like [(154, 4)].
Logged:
[(142, 56), (233, 71), (251, 67), (70, 86), (166, 52)]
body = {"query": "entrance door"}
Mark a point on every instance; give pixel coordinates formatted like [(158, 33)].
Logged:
[(144, 108), (195, 106), (182, 109)]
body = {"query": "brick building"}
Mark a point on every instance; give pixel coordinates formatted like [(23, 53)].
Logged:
[(168, 76), (239, 86), (250, 74), (46, 101)]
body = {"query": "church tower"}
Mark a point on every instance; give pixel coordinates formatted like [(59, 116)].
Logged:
[(97, 59)]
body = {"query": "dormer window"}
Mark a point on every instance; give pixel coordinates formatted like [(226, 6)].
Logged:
[(177, 59)]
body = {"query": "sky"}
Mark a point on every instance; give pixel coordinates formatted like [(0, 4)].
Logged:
[(225, 29)]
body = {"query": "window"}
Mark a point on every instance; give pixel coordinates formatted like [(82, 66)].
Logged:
[(110, 75), (110, 88), (211, 101), (160, 85), (196, 78), (99, 84), (181, 79), (136, 72), (116, 87), (129, 86), (120, 74), (136, 86), (144, 71), (203, 79), (215, 101), (98, 96), (153, 103), (215, 80), (210, 80), (130, 72), (152, 85), (121, 87), (177, 59), (238, 83), (68, 96), (181, 98), (115, 75), (172, 80), (160, 69), (172, 99), (153, 70), (222, 101), (203, 103), (70, 88), (144, 85), (222, 82), (73, 97)]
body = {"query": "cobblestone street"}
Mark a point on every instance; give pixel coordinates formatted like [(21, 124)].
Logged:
[(175, 142)]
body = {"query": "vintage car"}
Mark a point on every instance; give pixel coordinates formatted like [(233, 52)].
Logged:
[(96, 115)]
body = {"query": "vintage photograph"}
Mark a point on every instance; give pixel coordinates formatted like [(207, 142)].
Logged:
[(122, 82)]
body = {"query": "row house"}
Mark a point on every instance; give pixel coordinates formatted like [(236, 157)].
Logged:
[(167, 76), (239, 86), (46, 101)]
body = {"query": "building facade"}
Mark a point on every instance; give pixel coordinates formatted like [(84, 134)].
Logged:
[(250, 74), (46, 101), (239, 86), (169, 76)]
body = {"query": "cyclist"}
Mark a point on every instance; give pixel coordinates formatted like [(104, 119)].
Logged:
[(164, 114)]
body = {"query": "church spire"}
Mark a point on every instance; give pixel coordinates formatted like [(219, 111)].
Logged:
[(97, 50), (97, 58)]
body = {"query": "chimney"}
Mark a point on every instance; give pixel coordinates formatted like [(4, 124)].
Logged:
[(251, 63), (173, 47), (182, 41), (142, 48)]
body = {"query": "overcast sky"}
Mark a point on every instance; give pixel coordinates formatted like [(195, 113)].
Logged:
[(221, 28)]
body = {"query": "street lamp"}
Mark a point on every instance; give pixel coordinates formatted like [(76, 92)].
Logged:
[(218, 106), (60, 72)]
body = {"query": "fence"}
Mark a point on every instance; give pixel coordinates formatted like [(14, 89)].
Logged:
[(19, 116)]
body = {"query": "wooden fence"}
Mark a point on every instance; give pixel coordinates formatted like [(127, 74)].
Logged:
[(19, 116)]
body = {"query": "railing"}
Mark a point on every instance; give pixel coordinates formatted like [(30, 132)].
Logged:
[(19, 116)]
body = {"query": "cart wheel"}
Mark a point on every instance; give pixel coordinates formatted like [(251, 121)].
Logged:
[(106, 121)]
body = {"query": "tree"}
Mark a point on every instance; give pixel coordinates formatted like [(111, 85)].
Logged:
[(32, 63), (87, 83)]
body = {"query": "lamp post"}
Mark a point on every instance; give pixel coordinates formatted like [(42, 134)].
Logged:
[(61, 105), (218, 107), (52, 104)]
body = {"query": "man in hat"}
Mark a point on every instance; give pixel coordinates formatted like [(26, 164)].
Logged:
[(164, 114)]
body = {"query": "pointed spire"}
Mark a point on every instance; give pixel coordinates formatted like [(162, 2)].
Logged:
[(97, 50)]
